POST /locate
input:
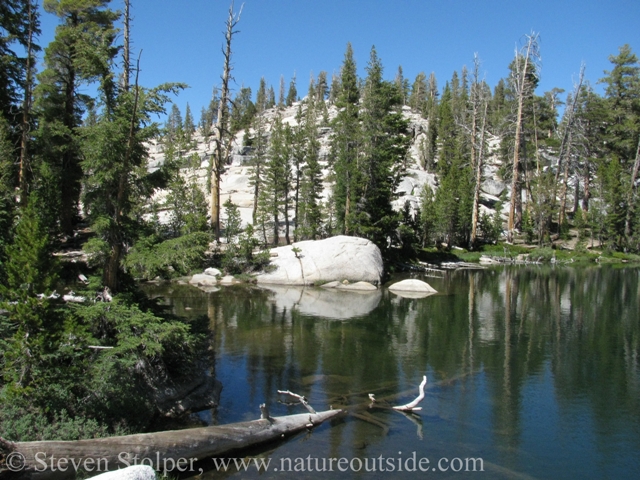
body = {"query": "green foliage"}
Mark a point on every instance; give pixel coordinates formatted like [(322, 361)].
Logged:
[(80, 392), (239, 257), (491, 227), (27, 424), (275, 191), (30, 268), (150, 258), (528, 228), (243, 111), (7, 189), (233, 224), (292, 94), (187, 204)]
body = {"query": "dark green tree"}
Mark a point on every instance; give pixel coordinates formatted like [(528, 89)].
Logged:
[(345, 143), (188, 127), (384, 148), (243, 110), (80, 53), (292, 94)]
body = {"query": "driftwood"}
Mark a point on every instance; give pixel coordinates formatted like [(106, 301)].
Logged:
[(164, 451), (413, 405), (300, 398)]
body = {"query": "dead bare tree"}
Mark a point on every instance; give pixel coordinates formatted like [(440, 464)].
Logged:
[(630, 195), (566, 145), (479, 102), (26, 104), (524, 62), (126, 49), (222, 140)]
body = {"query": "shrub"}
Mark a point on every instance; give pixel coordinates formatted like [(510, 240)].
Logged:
[(149, 258)]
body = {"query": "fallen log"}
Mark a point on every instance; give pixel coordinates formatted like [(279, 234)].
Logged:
[(164, 451)]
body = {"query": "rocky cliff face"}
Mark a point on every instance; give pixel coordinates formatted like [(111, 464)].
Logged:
[(235, 182)]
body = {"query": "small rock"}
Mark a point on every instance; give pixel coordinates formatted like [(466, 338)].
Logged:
[(203, 280), (360, 286), (412, 285), (134, 472), (227, 280), (214, 272), (333, 284)]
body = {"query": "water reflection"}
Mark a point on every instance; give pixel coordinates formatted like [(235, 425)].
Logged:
[(534, 369), (324, 303)]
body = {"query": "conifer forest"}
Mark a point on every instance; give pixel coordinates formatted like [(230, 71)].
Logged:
[(139, 190)]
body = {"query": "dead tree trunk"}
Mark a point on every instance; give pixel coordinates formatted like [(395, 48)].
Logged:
[(565, 184), (41, 460), (26, 110), (632, 188), (126, 50), (531, 50), (478, 166), (565, 150), (221, 129)]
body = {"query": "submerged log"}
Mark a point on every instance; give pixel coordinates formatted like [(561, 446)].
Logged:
[(164, 451)]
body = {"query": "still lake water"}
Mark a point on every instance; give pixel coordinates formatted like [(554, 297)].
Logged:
[(535, 370)]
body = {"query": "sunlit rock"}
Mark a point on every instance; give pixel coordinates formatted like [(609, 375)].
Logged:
[(203, 280), (316, 262), (412, 288)]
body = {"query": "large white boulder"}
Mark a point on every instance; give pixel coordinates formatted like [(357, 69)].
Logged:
[(319, 261)]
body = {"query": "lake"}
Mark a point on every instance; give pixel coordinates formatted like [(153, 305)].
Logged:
[(533, 372)]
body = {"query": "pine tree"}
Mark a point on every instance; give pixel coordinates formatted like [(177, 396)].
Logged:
[(261, 96), (274, 201), (188, 127), (81, 52), (114, 152), (208, 116), (173, 128), (384, 148), (292, 94), (243, 110), (418, 97), (623, 97), (271, 98), (345, 143), (259, 146)]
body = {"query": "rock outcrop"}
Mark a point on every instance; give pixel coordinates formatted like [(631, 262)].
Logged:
[(316, 262)]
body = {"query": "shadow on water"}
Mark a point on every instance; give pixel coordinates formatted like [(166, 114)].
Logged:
[(535, 370)]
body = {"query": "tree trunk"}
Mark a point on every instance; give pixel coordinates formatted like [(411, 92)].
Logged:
[(632, 187), (515, 171), (565, 182), (42, 460), (476, 193), (126, 51), (26, 111), (515, 206), (221, 150)]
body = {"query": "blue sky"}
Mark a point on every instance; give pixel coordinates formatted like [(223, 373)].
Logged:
[(182, 39)]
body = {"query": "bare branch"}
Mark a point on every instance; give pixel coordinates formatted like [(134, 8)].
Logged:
[(300, 398), (412, 405)]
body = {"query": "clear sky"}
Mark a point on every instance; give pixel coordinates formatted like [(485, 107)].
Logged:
[(182, 39)]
